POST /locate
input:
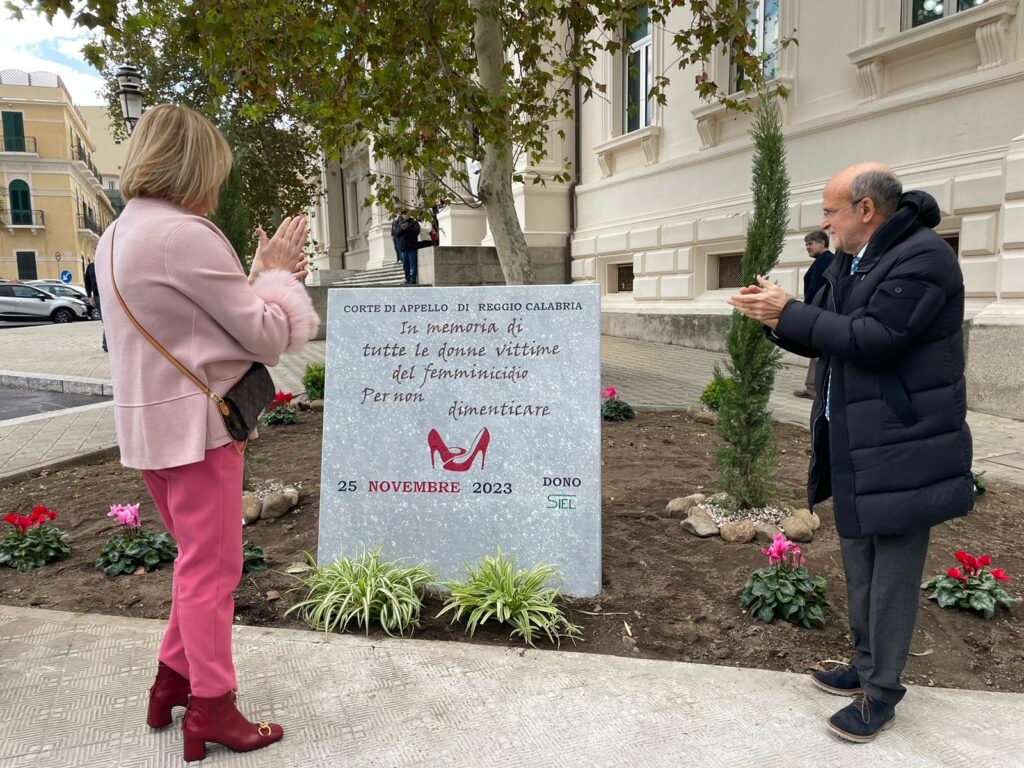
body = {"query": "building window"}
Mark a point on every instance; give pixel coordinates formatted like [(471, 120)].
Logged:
[(27, 267), (763, 25), (918, 12), (21, 202), (730, 272), (624, 278), (954, 242), (14, 132), (638, 75)]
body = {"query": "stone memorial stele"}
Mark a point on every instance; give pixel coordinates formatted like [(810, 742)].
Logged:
[(462, 420)]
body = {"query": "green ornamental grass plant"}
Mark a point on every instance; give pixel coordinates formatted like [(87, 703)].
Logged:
[(520, 598), (362, 589)]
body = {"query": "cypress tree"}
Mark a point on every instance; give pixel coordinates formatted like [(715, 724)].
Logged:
[(746, 457)]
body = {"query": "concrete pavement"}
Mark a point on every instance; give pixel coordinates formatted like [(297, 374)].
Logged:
[(647, 375), (73, 693), (73, 686)]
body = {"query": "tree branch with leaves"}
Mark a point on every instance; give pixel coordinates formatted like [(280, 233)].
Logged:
[(428, 84)]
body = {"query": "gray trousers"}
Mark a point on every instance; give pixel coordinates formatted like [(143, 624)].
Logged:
[(883, 586), (812, 365)]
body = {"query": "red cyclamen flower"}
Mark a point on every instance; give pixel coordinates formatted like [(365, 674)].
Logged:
[(999, 574), (984, 560), (954, 573), (281, 399)]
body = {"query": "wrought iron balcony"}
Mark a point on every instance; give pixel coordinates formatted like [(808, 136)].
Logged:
[(23, 218), (18, 144), (79, 154), (89, 223)]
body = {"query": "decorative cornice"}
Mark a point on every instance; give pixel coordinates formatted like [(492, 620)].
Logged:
[(708, 116), (988, 24), (647, 138)]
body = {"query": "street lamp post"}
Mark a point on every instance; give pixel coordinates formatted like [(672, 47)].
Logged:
[(130, 95)]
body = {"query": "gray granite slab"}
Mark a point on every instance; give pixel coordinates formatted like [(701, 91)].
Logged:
[(462, 420)]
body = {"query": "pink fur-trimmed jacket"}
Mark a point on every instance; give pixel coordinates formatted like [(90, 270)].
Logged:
[(181, 279)]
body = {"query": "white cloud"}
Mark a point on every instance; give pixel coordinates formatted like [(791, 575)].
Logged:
[(22, 42)]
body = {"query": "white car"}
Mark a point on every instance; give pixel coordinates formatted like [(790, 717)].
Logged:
[(27, 303), (61, 290)]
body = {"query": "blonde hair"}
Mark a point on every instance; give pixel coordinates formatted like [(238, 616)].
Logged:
[(176, 154)]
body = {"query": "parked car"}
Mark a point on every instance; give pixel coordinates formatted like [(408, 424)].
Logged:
[(61, 290), (21, 302)]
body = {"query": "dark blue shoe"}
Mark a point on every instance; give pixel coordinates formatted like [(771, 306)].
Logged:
[(862, 720), (844, 681)]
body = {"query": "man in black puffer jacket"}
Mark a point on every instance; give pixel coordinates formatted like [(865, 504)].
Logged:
[(890, 442)]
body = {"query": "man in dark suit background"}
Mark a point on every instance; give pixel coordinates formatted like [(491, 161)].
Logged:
[(93, 294), (816, 244)]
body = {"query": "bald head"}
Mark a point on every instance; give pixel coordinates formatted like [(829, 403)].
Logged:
[(873, 180), (857, 201)]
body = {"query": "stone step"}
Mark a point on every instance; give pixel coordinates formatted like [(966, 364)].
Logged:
[(382, 277)]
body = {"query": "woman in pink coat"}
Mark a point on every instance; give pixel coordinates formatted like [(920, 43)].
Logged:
[(181, 279)]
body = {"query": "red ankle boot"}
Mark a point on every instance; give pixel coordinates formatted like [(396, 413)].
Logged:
[(219, 721), (168, 691)]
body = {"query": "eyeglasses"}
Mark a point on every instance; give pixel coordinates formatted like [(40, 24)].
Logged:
[(830, 212)]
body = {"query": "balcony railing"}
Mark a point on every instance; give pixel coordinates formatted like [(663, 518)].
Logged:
[(18, 144), (89, 223), (77, 153), (23, 218)]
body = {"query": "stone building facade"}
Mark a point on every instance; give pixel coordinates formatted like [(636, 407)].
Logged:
[(658, 216), (52, 205)]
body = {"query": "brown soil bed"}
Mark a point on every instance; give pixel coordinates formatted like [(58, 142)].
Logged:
[(676, 593)]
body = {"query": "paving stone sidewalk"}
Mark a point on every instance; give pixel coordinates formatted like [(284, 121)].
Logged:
[(73, 693), (646, 374)]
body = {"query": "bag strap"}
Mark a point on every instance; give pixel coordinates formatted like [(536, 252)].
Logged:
[(221, 405)]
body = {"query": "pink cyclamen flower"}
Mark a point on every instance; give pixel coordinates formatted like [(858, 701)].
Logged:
[(125, 514), (608, 393), (780, 548)]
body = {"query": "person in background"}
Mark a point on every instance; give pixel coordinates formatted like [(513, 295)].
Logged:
[(816, 244), (180, 278), (396, 239), (889, 438), (93, 296), (409, 230)]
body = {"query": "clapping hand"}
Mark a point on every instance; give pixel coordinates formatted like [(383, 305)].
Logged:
[(283, 250), (763, 302)]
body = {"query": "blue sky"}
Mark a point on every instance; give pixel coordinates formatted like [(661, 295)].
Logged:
[(34, 45)]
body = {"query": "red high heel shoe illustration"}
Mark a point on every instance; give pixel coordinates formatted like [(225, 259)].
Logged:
[(449, 455), (438, 447)]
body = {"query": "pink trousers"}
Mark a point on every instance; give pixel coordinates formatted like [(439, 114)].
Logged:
[(201, 505)]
